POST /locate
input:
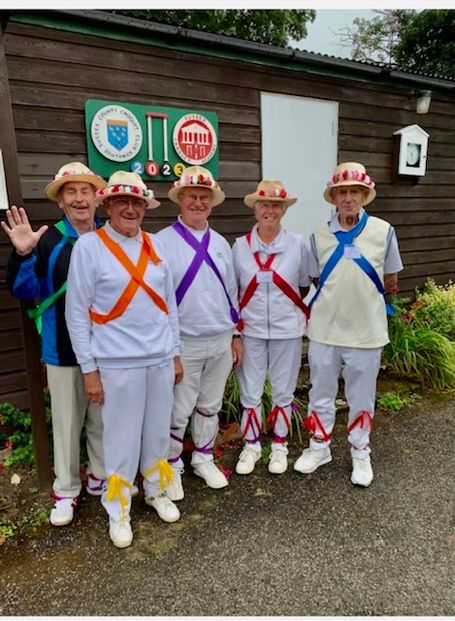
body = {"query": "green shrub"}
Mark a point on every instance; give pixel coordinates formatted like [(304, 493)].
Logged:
[(421, 337), (20, 440), (435, 308)]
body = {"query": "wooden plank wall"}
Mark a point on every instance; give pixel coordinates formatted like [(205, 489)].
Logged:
[(53, 72)]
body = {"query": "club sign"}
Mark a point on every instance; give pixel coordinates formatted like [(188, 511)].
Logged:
[(157, 143)]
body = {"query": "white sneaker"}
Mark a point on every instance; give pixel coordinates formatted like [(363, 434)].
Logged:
[(278, 462), (211, 475), (120, 533), (362, 472), (247, 460), (95, 486), (63, 511), (310, 460), (174, 491), (165, 508)]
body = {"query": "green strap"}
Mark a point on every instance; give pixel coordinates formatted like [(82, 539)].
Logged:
[(37, 313)]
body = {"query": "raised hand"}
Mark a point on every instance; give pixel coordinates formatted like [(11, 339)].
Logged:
[(21, 234)]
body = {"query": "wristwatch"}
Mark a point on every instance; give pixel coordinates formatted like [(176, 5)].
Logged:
[(236, 336)]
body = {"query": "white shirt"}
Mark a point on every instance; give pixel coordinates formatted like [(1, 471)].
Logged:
[(143, 335), (270, 314), (204, 310)]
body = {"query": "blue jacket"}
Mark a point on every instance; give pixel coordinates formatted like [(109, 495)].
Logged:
[(37, 276)]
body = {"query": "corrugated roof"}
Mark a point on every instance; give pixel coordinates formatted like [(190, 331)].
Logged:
[(213, 43)]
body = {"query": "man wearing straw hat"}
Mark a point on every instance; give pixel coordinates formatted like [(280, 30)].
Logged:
[(355, 260), (206, 292), (38, 268), (123, 323)]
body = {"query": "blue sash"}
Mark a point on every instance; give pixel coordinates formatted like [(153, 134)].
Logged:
[(346, 238)]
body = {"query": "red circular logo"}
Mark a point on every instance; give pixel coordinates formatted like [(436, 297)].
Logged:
[(195, 139)]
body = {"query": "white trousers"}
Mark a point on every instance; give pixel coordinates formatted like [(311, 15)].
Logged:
[(281, 359), (70, 408), (207, 363), (359, 369), (136, 416)]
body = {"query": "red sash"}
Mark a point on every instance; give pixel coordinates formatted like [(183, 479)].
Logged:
[(276, 279)]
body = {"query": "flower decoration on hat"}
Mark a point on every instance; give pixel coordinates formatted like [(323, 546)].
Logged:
[(269, 190), (123, 183), (73, 172), (350, 173), (197, 177)]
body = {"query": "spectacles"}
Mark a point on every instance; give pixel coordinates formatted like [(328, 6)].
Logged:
[(204, 198), (137, 203)]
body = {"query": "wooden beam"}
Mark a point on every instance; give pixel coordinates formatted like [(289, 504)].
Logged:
[(29, 334)]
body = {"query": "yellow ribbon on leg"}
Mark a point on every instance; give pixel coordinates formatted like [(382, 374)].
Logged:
[(165, 472), (114, 490)]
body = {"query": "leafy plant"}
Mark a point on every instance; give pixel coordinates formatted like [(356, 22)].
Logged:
[(30, 521), (421, 337), (394, 402), (20, 440)]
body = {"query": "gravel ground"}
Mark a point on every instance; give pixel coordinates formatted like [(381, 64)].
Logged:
[(297, 545)]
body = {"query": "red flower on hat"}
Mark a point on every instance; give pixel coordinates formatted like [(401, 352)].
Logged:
[(363, 176), (261, 193), (283, 193), (201, 178), (345, 174)]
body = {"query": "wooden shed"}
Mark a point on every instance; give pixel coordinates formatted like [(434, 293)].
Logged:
[(51, 62)]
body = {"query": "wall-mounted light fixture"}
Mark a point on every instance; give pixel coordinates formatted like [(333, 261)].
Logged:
[(423, 100)]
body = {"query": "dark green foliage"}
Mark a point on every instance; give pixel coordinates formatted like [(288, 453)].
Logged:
[(427, 43), (276, 27), (20, 440), (422, 344)]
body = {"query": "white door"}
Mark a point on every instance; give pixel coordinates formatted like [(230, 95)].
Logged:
[(299, 147)]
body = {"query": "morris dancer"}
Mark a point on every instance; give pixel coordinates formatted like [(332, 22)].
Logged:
[(354, 258), (123, 323), (271, 266), (206, 292), (38, 269)]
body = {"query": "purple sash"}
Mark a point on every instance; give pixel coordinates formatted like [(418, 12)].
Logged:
[(200, 256)]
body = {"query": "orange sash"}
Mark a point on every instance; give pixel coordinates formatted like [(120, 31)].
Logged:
[(137, 277)]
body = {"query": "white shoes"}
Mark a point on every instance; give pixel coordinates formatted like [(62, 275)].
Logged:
[(362, 472), (278, 462), (211, 475), (247, 460), (310, 460), (63, 511), (95, 486), (120, 533), (174, 491), (165, 508)]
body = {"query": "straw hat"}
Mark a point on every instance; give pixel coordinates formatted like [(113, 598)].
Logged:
[(350, 173), (122, 183), (269, 191), (74, 171), (197, 177)]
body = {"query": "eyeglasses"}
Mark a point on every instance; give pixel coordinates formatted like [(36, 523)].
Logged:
[(137, 203), (204, 198)]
